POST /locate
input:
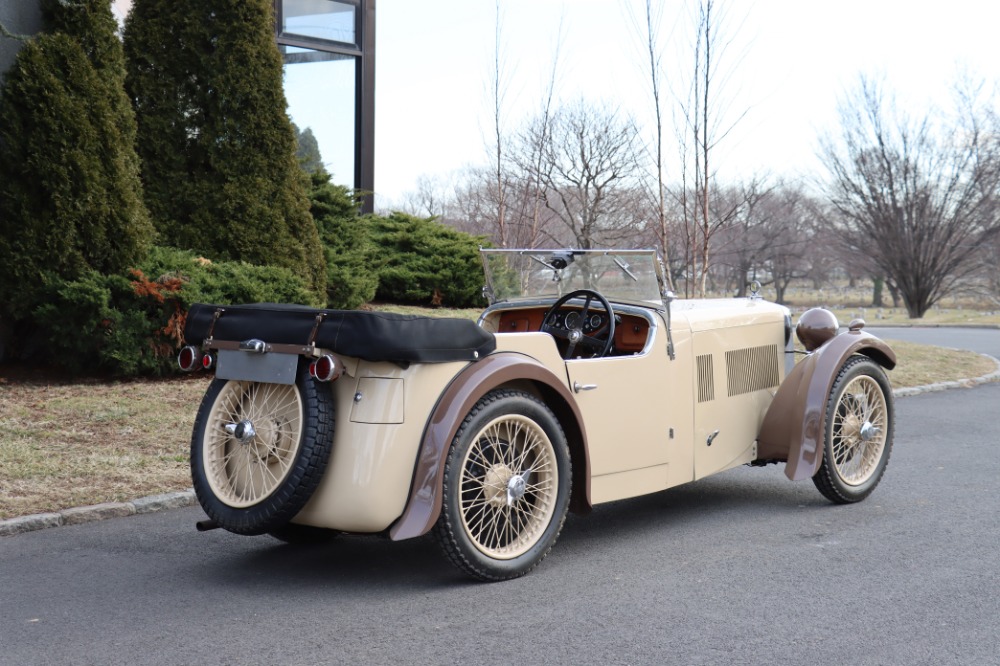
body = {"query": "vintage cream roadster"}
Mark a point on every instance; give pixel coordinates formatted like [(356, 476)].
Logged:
[(581, 383)]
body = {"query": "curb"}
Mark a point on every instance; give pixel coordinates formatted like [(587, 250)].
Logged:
[(162, 502), (87, 514)]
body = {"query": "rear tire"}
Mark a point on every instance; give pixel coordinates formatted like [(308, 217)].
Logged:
[(859, 431), (259, 450), (506, 487)]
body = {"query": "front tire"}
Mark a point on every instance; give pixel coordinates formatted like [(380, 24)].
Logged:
[(506, 487), (859, 431), (259, 450)]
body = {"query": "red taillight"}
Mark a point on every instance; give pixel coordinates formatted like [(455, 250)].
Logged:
[(326, 368), (207, 361), (189, 358)]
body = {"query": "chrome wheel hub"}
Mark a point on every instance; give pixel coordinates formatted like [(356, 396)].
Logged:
[(515, 489), (242, 431), (509, 486)]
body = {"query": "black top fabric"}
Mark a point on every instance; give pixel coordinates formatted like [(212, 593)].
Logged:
[(373, 336)]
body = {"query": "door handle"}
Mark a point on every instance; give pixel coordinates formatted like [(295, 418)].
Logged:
[(577, 387)]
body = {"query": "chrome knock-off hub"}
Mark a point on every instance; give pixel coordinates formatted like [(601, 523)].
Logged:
[(242, 431), (515, 489)]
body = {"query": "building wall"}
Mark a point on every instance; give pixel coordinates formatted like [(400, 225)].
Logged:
[(20, 17)]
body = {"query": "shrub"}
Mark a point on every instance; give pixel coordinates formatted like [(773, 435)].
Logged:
[(133, 324), (351, 268), (224, 282), (93, 325), (70, 194), (426, 262), (217, 148)]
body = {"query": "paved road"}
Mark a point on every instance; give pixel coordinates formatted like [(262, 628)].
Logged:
[(745, 567), (982, 340)]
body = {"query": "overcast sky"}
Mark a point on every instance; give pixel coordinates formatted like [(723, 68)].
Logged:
[(791, 60)]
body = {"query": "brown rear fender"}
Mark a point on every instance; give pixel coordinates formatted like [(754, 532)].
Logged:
[(796, 420), (424, 504)]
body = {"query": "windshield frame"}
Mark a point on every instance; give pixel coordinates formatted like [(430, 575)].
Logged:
[(626, 276)]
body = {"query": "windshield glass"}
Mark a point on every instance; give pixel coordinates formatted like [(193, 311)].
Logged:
[(619, 275)]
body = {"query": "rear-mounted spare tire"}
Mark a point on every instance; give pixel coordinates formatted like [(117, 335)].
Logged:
[(259, 450)]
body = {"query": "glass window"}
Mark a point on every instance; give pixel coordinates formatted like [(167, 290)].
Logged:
[(319, 19), (320, 88)]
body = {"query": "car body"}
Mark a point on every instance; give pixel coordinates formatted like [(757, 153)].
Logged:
[(581, 383)]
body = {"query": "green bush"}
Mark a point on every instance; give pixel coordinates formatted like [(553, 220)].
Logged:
[(70, 195), (126, 325), (427, 263), (215, 141), (351, 268), (96, 324)]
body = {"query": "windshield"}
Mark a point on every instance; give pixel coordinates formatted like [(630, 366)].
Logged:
[(619, 275)]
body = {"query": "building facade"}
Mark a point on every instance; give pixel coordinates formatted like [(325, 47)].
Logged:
[(328, 47)]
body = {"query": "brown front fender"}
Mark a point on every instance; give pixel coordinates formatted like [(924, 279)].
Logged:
[(424, 504), (795, 423)]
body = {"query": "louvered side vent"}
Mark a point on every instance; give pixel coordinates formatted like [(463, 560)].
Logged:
[(752, 369), (706, 378)]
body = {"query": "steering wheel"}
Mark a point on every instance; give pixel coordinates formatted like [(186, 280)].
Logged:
[(600, 340)]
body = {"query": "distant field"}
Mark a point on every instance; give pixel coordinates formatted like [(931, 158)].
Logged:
[(852, 302)]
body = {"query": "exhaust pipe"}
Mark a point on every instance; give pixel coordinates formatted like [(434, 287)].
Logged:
[(206, 525)]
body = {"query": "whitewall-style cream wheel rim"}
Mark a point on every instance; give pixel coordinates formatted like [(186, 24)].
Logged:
[(509, 487), (859, 430), (251, 440)]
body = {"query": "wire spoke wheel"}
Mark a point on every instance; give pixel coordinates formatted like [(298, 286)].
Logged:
[(505, 490), (248, 462), (508, 488), (259, 450), (859, 429)]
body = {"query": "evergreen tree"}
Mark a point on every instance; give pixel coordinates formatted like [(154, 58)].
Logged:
[(307, 152), (351, 264), (216, 144), (70, 194)]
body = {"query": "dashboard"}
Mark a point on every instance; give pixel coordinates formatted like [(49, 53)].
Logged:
[(631, 331)]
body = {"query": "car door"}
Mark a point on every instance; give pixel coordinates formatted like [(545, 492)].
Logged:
[(633, 426)]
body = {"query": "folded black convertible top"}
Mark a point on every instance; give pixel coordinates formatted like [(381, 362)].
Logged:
[(373, 336)]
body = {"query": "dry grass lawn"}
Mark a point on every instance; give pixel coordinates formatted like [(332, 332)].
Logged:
[(66, 444)]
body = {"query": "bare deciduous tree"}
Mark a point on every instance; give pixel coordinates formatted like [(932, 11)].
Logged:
[(588, 165), (499, 185), (746, 233), (648, 26), (792, 229), (705, 119), (919, 195)]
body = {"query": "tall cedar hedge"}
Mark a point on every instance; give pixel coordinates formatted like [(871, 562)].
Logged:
[(70, 195), (215, 141)]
